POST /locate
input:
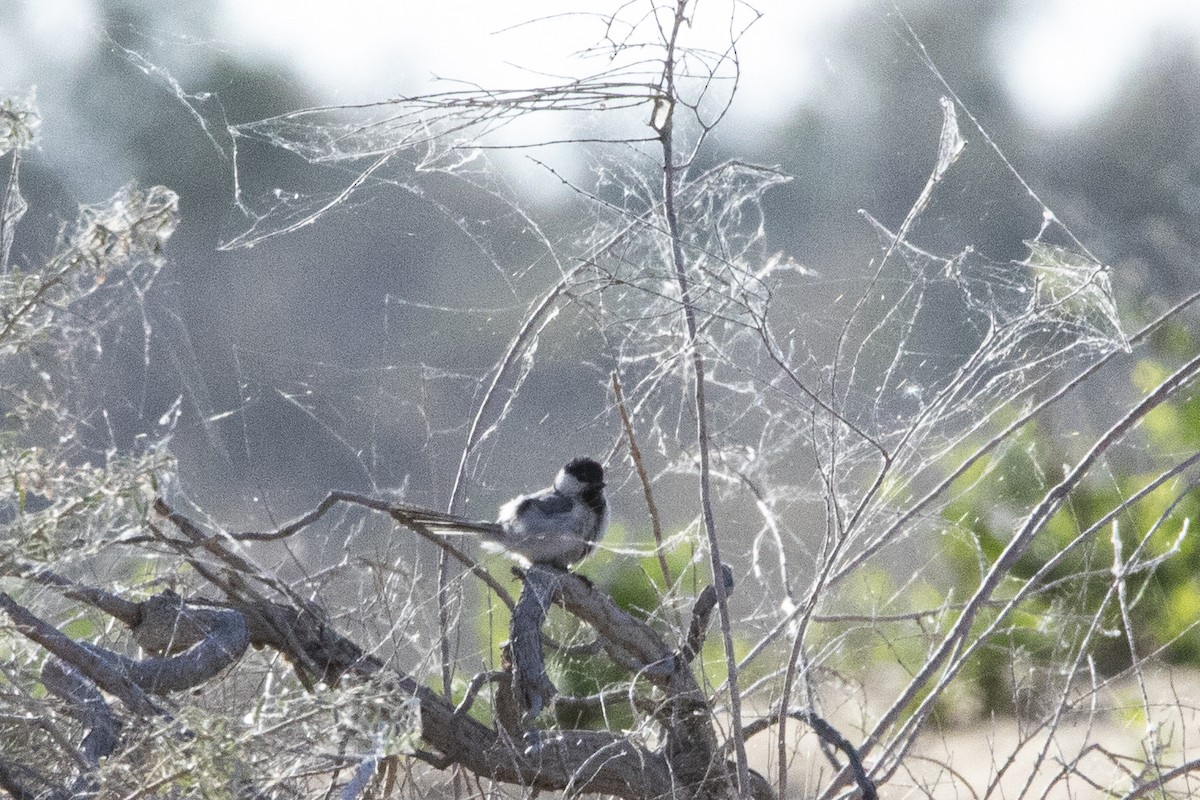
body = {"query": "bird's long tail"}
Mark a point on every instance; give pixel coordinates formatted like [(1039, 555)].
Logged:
[(442, 522)]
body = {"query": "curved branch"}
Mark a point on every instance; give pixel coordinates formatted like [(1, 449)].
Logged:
[(89, 660), (701, 614), (583, 761)]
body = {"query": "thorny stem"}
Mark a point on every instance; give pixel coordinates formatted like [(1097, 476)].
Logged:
[(882, 539), (981, 598), (885, 537), (666, 106), (1156, 784)]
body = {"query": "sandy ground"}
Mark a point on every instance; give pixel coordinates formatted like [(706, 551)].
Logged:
[(1108, 747)]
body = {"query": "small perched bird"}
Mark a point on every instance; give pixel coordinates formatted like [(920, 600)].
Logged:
[(557, 526)]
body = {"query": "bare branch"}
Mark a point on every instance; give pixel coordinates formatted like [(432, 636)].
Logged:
[(636, 455), (701, 614), (89, 660), (531, 684), (663, 121)]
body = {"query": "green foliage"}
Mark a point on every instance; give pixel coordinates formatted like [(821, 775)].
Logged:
[(638, 586), (1073, 609)]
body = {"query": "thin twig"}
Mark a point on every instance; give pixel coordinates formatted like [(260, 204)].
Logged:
[(671, 177), (635, 454), (1157, 784), (1000, 568), (865, 552), (477, 683), (516, 347), (917, 508), (396, 511), (827, 734)]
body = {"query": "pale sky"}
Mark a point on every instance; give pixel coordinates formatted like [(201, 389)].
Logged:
[(1062, 58), (1068, 56)]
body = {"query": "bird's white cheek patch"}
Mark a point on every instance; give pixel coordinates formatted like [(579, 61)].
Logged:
[(568, 484)]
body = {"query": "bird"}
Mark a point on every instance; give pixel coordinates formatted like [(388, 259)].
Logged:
[(557, 526)]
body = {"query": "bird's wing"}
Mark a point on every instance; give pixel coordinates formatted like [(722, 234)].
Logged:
[(548, 503), (439, 521)]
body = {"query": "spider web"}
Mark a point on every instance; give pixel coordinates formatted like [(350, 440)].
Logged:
[(836, 401)]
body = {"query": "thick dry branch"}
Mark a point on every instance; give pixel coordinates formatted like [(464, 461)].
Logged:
[(205, 642), (530, 682), (702, 614), (575, 761), (306, 639), (585, 761), (168, 625), (89, 660), (626, 639), (223, 642), (684, 713), (126, 611), (86, 704), (202, 637)]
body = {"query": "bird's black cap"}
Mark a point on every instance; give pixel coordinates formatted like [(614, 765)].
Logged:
[(585, 470)]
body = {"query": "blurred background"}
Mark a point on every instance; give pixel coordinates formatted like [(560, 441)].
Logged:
[(348, 353)]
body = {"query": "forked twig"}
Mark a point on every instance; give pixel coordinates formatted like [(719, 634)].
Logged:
[(828, 734)]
